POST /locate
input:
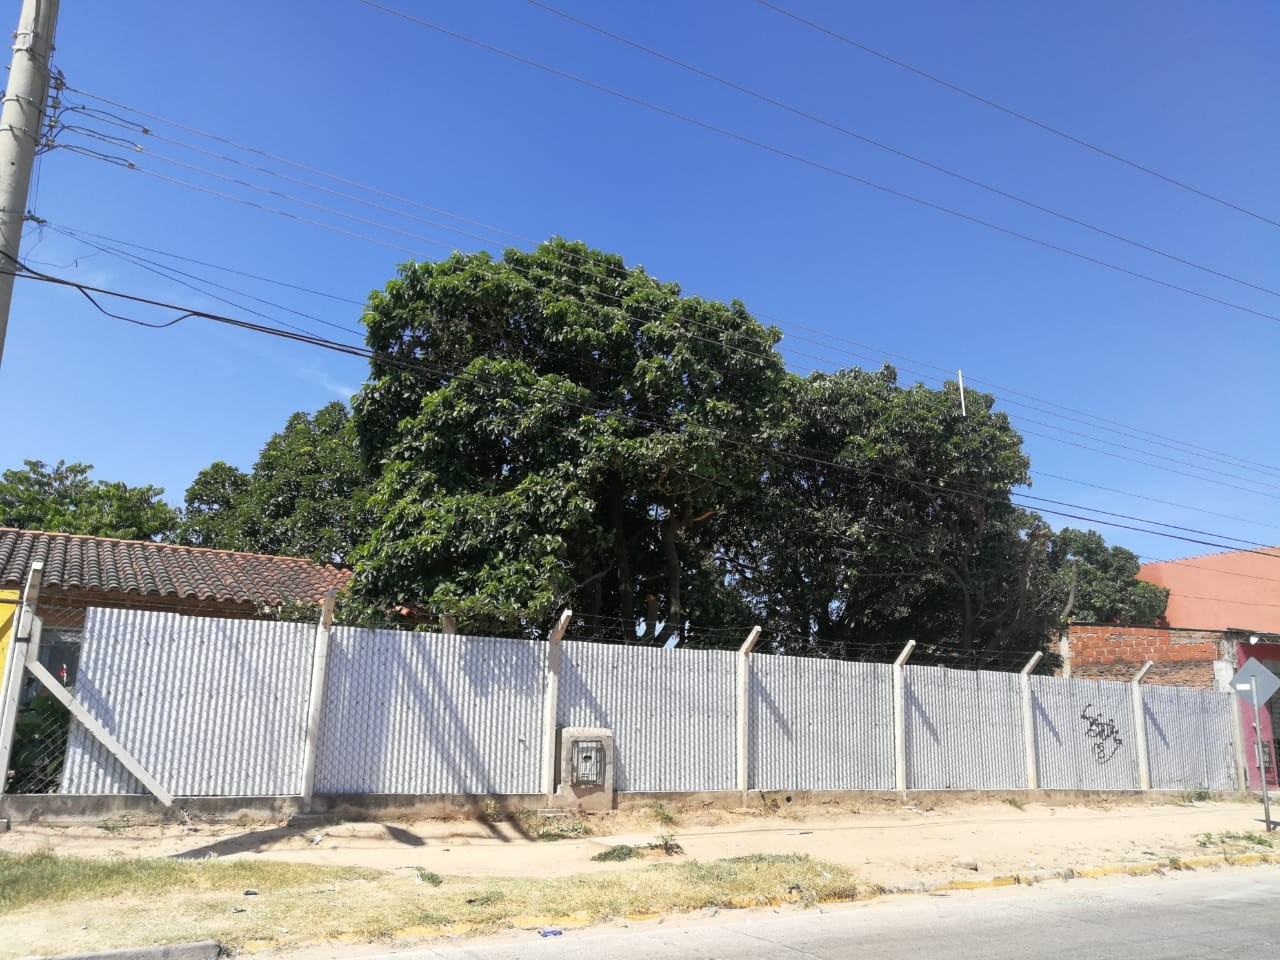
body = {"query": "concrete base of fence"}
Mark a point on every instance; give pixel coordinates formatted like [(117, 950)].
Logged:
[(33, 808)]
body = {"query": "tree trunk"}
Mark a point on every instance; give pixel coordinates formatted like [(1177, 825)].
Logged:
[(622, 561), (671, 555)]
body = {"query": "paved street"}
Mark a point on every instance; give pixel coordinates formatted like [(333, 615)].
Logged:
[(1228, 913)]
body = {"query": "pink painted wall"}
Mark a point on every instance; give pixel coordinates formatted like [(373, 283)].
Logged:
[(1267, 654)]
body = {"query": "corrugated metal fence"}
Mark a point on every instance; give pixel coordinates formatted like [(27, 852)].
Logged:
[(218, 708)]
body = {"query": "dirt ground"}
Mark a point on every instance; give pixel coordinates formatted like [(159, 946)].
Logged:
[(893, 846)]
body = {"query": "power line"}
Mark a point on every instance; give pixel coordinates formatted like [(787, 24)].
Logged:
[(439, 373), (1167, 503), (819, 165), (268, 208), (80, 235), (129, 164), (1005, 391), (337, 178), (172, 273), (880, 145), (1078, 141)]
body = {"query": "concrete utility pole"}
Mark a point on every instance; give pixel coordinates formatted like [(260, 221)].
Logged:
[(20, 124)]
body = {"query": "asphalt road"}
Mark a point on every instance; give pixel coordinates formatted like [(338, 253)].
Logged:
[(1227, 913)]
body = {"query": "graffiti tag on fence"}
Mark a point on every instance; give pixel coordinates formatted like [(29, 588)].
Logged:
[(1103, 733)]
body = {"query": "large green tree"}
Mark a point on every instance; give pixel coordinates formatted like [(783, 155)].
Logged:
[(1094, 582), (556, 427), (549, 429), (64, 498), (885, 515), (307, 495)]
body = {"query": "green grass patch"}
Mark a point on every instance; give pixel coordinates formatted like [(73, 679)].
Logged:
[(617, 853), (1235, 839), (53, 905), (44, 877)]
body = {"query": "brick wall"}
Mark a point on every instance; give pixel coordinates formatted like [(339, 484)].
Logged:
[(1181, 658)]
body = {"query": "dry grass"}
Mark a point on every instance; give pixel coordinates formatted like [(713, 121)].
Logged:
[(55, 904)]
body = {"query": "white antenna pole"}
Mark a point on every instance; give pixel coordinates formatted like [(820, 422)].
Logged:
[(960, 374)]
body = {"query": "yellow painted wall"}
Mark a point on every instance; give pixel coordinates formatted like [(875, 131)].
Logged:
[(8, 617)]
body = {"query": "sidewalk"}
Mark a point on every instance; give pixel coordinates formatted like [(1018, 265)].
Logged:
[(892, 848)]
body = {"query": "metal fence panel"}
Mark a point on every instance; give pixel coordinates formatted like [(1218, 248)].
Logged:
[(426, 713), (672, 712), (1084, 734), (964, 730), (1189, 738), (209, 707), (820, 724)]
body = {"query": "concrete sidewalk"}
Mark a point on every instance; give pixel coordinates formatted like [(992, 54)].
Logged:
[(894, 847)]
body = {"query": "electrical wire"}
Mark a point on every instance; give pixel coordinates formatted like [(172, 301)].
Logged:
[(1005, 392), (443, 374), (1055, 131), (116, 161), (880, 145), (819, 165)]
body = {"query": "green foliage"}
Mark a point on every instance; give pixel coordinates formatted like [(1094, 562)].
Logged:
[(1107, 590), (307, 495), (39, 745), (429, 877), (617, 853), (569, 447), (664, 815), (666, 843), (62, 498), (538, 827)]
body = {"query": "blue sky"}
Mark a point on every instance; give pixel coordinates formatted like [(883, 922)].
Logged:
[(1189, 89)]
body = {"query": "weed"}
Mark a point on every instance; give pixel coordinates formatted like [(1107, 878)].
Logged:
[(538, 827), (664, 815), (427, 876), (568, 830), (666, 842), (115, 826), (1234, 837), (1016, 802), (1175, 863), (617, 853), (1198, 795), (486, 899)]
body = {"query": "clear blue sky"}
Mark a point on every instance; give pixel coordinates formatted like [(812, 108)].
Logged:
[(1190, 89)]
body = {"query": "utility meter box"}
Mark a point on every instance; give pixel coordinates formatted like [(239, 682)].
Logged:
[(586, 768)]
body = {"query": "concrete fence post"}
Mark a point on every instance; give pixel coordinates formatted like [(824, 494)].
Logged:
[(1029, 722), (743, 700), (551, 701), (14, 665), (900, 717), (315, 699), (1140, 727)]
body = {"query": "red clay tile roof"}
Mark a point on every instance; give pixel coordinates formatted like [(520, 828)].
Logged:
[(141, 567)]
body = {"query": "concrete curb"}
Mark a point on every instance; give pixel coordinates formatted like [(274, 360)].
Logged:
[(1142, 869), (201, 950)]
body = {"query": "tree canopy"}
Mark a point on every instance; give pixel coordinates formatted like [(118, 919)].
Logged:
[(306, 495), (63, 498), (557, 428)]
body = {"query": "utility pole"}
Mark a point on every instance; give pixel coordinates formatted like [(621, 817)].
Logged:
[(20, 124)]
